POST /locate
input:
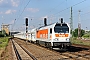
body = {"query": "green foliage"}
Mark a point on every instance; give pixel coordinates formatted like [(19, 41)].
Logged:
[(87, 35), (3, 42), (75, 32), (74, 38), (3, 33), (82, 32), (81, 42)]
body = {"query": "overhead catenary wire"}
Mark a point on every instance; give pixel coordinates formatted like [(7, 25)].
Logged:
[(56, 6), (21, 13), (20, 8), (17, 15), (70, 7), (51, 10), (23, 9)]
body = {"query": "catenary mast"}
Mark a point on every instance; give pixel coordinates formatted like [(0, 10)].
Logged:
[(71, 22)]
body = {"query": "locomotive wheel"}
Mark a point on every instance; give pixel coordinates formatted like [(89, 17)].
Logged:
[(37, 42), (46, 44)]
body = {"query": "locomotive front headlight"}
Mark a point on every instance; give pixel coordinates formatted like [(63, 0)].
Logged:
[(56, 39), (67, 39)]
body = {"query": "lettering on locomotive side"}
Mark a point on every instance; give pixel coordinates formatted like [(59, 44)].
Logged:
[(42, 34), (61, 35)]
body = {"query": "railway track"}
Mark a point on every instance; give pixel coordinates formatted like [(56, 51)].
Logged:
[(78, 52), (74, 53), (22, 53)]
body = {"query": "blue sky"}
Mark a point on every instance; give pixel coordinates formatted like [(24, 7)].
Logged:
[(14, 12)]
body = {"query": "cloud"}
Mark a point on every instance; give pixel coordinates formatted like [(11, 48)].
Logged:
[(1, 12), (1, 1), (15, 3), (10, 11), (33, 10), (9, 3)]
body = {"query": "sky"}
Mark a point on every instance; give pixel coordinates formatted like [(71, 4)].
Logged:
[(14, 12)]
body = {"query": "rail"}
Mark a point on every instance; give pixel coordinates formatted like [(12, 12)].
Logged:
[(16, 52), (18, 55)]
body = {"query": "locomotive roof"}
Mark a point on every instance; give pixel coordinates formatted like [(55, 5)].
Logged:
[(50, 25)]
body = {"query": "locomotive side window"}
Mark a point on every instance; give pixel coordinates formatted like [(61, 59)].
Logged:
[(50, 30), (61, 28)]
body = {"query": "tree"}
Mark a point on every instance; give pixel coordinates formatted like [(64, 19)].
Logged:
[(75, 32), (3, 33), (82, 32), (87, 34)]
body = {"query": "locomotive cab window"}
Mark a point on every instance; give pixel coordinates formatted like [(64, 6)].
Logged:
[(61, 28)]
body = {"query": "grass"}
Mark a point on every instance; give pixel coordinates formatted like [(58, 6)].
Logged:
[(81, 42), (3, 43)]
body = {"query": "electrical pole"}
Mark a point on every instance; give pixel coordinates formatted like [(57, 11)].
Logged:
[(71, 22), (79, 25)]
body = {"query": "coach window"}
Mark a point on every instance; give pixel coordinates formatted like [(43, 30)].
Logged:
[(50, 30)]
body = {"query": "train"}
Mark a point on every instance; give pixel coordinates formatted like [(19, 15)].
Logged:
[(55, 35)]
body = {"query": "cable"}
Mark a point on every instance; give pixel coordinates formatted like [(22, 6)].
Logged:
[(56, 6), (69, 7), (24, 9), (20, 8), (79, 3), (21, 13)]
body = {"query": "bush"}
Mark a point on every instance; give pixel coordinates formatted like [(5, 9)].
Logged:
[(4, 42), (1, 35), (86, 35)]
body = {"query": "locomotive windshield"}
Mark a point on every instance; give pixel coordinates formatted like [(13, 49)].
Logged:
[(61, 28)]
